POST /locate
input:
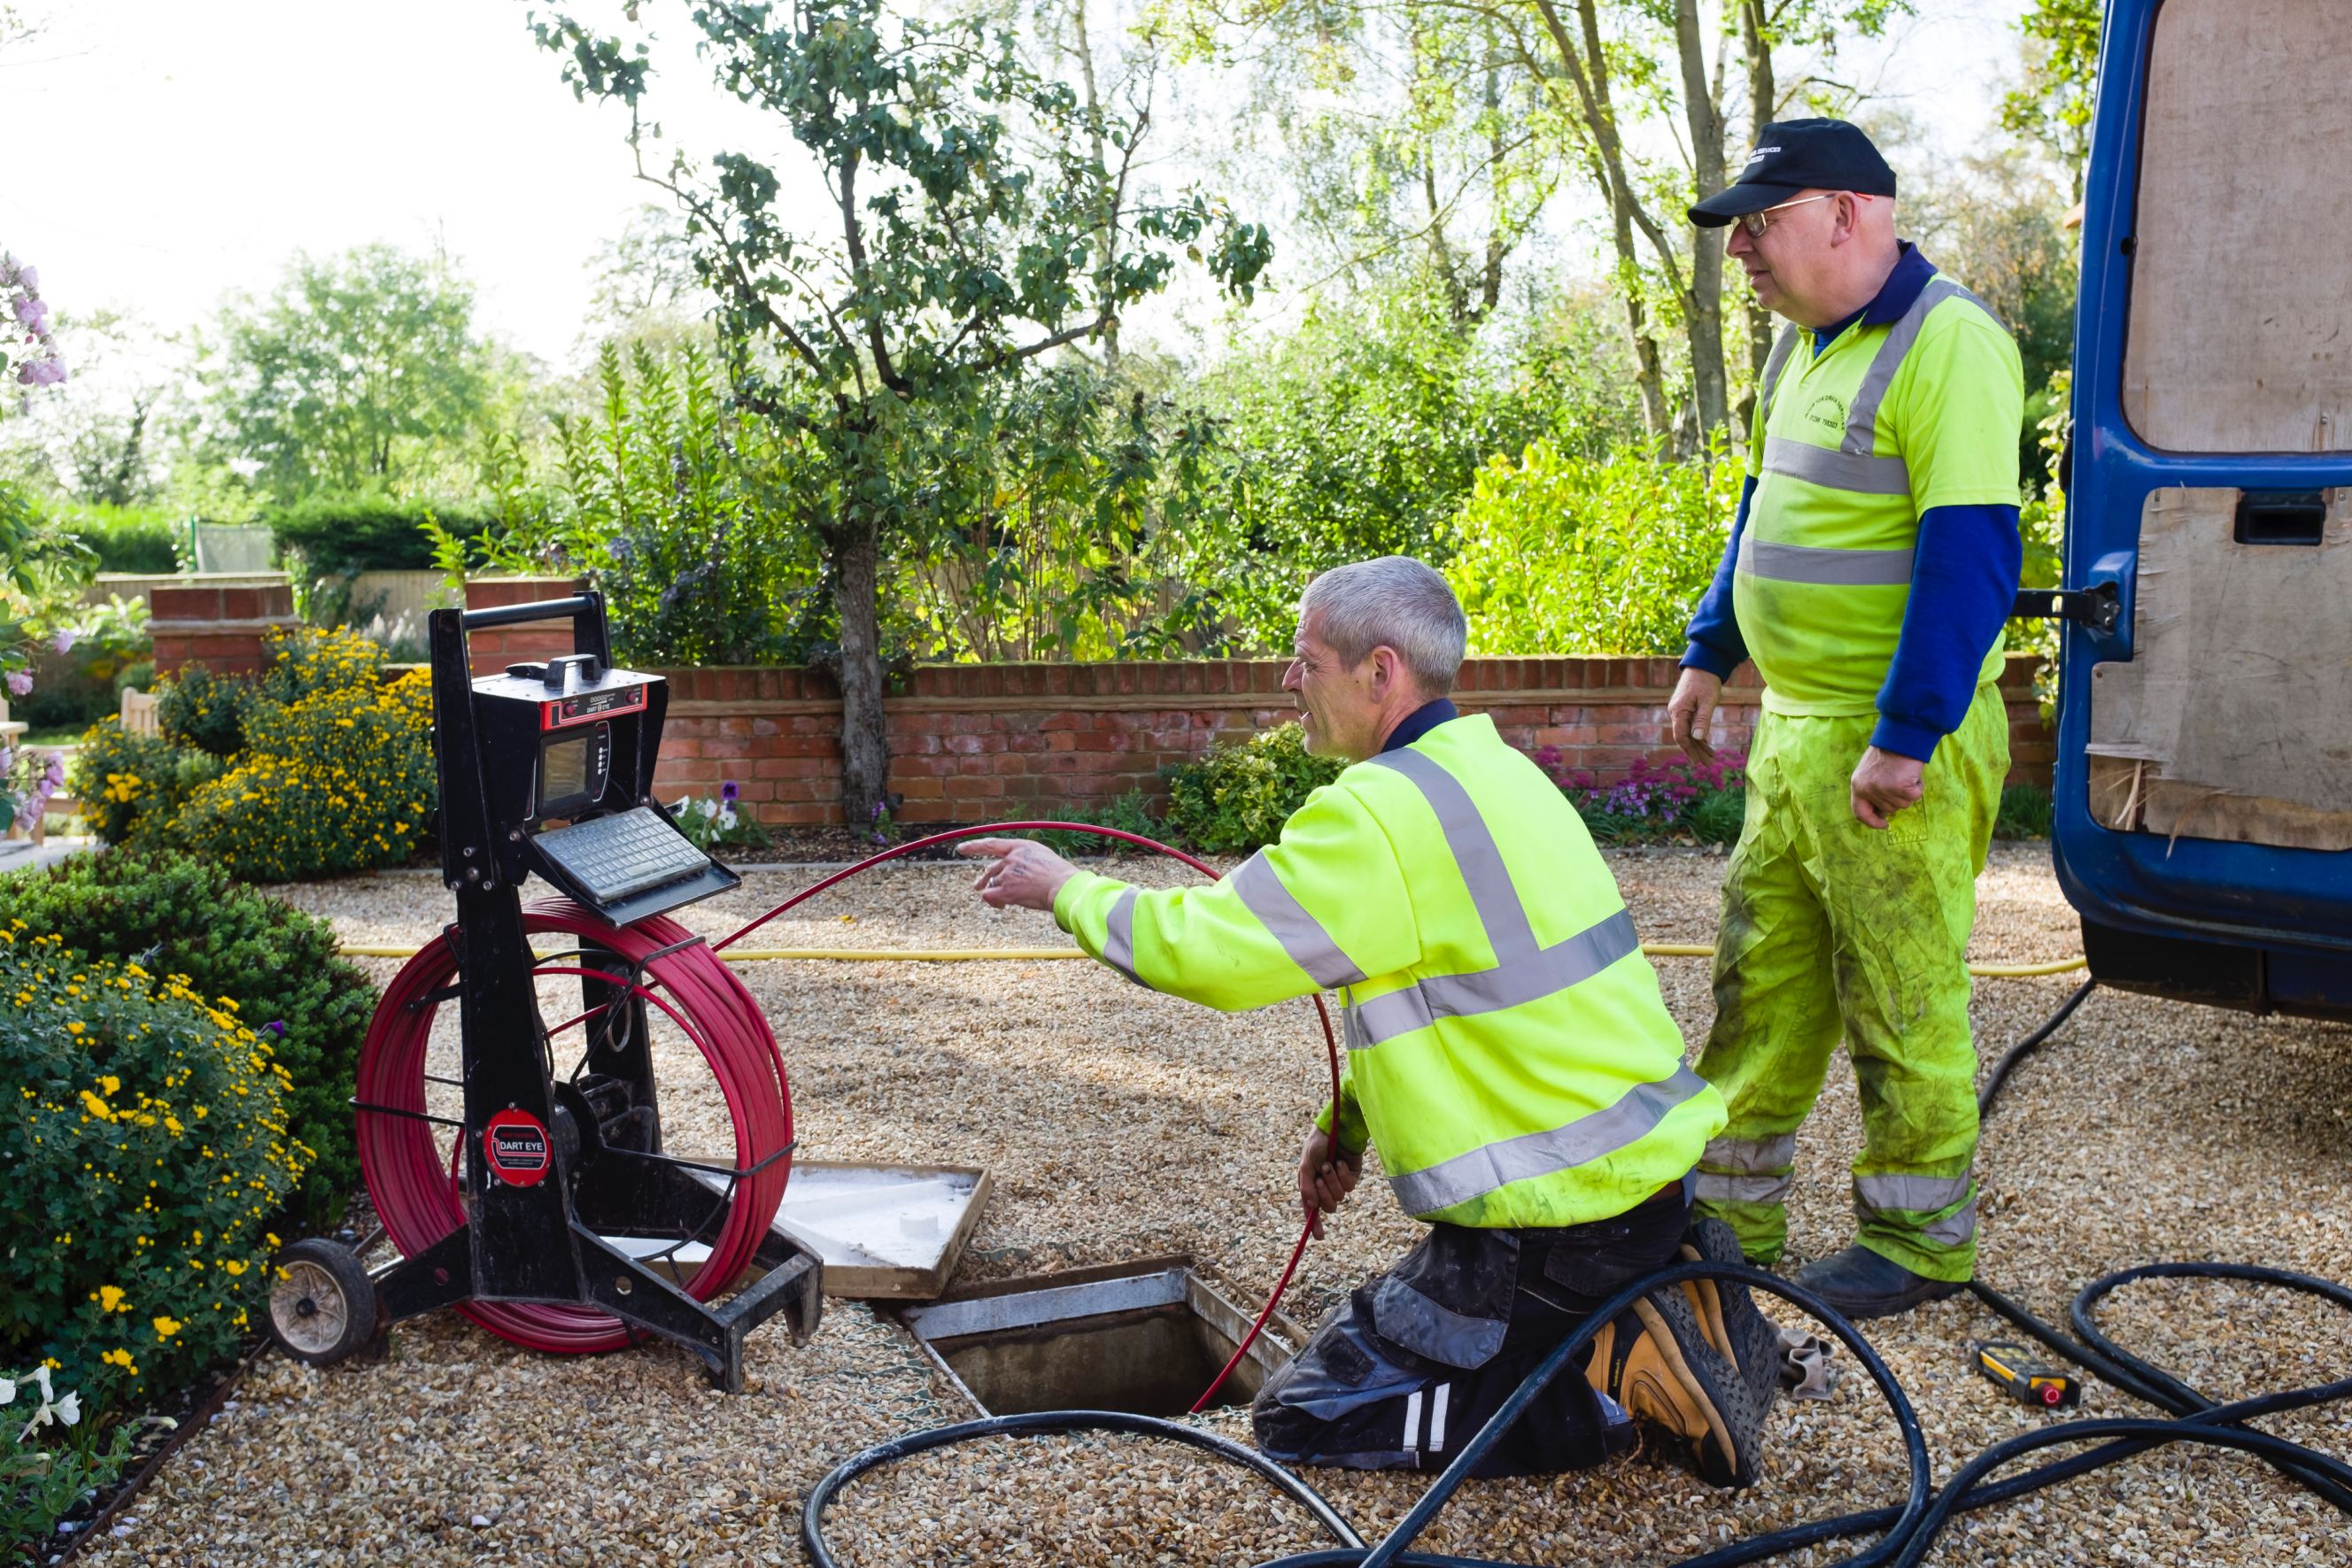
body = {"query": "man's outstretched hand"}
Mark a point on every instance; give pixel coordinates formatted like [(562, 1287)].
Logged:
[(1326, 1174), (1020, 872)]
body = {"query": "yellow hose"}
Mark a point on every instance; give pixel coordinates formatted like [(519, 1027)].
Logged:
[(1040, 955)]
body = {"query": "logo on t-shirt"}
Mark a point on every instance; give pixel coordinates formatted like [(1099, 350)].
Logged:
[(1827, 411)]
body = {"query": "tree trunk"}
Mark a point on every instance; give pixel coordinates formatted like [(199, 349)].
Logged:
[(864, 741), (1703, 300), (1763, 102), (1607, 166), (1086, 53)]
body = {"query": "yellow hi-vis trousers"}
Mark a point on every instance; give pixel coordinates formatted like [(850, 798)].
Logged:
[(1832, 927)]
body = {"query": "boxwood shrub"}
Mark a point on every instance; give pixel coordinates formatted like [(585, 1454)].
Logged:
[(1236, 797), (178, 914)]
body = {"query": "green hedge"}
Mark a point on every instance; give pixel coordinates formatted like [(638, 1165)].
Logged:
[(142, 540), (339, 535), (180, 915), (1561, 554)]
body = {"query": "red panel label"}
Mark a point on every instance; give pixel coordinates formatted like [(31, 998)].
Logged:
[(515, 1148), (590, 707)]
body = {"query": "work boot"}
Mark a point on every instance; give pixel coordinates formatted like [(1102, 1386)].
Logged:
[(1728, 1315), (1862, 1284), (1655, 1362)]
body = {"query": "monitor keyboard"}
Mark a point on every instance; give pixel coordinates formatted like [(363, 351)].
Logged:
[(620, 856)]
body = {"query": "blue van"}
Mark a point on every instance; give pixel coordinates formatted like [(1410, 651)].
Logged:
[(2203, 826)]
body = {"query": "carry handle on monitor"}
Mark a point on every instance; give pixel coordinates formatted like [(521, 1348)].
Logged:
[(590, 631)]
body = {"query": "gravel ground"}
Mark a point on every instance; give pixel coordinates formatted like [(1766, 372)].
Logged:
[(1119, 1124)]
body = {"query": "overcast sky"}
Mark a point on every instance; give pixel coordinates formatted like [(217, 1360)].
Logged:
[(164, 153)]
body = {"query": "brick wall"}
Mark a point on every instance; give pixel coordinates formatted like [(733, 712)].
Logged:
[(220, 627), (969, 742)]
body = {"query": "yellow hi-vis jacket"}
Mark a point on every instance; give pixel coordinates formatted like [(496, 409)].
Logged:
[(1507, 1048)]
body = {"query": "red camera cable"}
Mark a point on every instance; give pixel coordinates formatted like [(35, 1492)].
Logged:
[(418, 1197)]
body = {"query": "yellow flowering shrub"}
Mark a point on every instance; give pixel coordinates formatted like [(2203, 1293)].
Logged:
[(147, 1150), (131, 786), (336, 774), (340, 781)]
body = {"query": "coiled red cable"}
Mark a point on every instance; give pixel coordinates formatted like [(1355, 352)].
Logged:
[(417, 1197)]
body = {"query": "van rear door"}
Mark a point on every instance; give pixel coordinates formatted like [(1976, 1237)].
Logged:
[(2204, 812)]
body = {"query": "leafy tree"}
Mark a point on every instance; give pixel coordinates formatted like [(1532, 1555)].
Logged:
[(1521, 96), (1101, 528), (973, 230), (1361, 434), (2054, 105), (359, 372), (645, 272)]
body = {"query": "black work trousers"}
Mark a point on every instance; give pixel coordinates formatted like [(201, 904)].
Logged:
[(1417, 1358)]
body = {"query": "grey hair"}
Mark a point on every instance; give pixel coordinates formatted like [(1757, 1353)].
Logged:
[(1395, 601)]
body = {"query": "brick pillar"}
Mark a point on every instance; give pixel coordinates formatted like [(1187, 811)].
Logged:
[(221, 628), (494, 649)]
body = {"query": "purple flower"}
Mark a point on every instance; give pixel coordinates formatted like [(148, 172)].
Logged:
[(729, 793), (19, 682), (30, 278), (66, 640), (31, 311), (275, 1026)]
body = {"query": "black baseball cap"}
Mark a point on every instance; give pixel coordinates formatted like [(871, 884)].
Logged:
[(1794, 156)]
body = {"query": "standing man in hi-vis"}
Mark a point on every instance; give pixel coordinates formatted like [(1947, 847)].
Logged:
[(1872, 565)]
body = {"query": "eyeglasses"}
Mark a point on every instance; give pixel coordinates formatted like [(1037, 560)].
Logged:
[(1756, 223)]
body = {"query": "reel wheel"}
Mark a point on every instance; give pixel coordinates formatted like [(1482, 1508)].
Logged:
[(322, 1304)]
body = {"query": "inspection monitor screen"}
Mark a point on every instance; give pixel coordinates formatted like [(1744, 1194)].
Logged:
[(563, 770)]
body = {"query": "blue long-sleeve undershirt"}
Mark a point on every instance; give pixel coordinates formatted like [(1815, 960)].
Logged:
[(1964, 574)]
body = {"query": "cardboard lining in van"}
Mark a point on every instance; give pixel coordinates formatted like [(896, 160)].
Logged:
[(2234, 718), (2240, 339)]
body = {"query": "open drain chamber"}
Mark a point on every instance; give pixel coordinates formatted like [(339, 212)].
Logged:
[(1144, 1338)]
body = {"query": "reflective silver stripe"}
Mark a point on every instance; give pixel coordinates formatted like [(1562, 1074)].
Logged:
[(1820, 564), (1911, 1194), (1857, 472), (1862, 415), (1438, 1401), (1118, 947), (1301, 935), (1953, 1229), (1851, 464), (1754, 1155), (1710, 1186), (1525, 979), (1412, 1422), (1774, 363), (1588, 1138), (1474, 852)]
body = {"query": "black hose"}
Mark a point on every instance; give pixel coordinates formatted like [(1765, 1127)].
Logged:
[(2026, 1046), (2031, 1043), (913, 1443), (1909, 1532)]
